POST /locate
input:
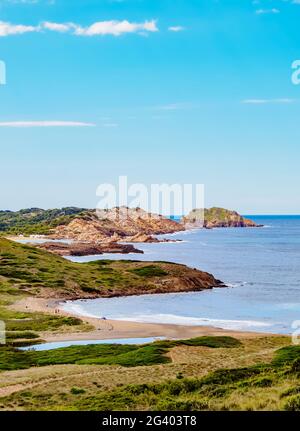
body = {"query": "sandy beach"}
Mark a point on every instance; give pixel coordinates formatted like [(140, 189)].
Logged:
[(114, 329)]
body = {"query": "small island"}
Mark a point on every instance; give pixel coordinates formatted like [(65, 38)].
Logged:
[(216, 218)]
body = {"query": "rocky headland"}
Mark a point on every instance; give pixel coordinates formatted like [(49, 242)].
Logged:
[(86, 249), (216, 218), (107, 231), (53, 276)]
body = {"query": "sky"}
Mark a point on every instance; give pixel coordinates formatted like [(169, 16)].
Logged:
[(162, 91)]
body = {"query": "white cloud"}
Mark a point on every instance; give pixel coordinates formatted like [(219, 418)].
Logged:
[(45, 124), (60, 28), (7, 29), (267, 11), (176, 28), (101, 28), (115, 28), (267, 101)]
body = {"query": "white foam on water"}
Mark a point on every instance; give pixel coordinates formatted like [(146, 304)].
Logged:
[(195, 321), (73, 308), (173, 319)]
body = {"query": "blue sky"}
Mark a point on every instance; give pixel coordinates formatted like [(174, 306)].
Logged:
[(174, 91)]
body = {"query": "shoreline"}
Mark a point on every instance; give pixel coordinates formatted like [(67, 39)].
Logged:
[(117, 329)]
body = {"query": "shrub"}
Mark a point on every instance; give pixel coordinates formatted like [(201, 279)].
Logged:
[(149, 271), (77, 391), (292, 404)]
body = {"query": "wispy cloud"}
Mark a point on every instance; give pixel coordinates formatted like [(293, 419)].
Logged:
[(176, 28), (267, 101), (267, 11), (7, 29), (115, 28), (60, 28), (101, 28), (45, 124)]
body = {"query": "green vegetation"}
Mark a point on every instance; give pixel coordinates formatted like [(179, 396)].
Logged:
[(150, 271), (288, 355), (36, 220), (203, 373), (27, 270), (217, 217), (215, 213), (105, 354), (77, 391), (217, 390), (264, 386), (19, 325)]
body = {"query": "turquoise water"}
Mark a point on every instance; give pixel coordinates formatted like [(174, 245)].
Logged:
[(261, 266)]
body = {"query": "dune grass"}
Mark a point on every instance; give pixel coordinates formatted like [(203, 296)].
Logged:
[(105, 354), (265, 386)]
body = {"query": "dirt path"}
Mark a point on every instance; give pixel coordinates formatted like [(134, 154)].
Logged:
[(10, 389)]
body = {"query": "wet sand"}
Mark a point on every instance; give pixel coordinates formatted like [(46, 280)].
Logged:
[(113, 329)]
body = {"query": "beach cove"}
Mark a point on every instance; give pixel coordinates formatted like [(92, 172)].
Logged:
[(260, 266)]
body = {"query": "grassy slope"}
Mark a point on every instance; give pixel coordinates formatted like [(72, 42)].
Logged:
[(36, 272), (36, 220), (221, 214), (126, 355), (260, 387), (247, 384), (188, 375), (27, 271)]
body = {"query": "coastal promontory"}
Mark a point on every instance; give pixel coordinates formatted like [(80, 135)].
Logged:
[(216, 218)]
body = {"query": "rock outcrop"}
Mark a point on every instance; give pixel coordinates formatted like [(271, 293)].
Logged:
[(84, 249), (114, 225), (216, 218)]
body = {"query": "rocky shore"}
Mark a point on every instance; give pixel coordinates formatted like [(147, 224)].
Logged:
[(95, 232), (87, 249)]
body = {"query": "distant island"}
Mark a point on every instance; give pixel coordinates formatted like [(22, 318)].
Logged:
[(216, 218)]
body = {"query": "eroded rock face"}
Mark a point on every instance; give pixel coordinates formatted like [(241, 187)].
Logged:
[(216, 218), (116, 224), (87, 249)]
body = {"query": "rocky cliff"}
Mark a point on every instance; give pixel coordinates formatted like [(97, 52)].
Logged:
[(216, 218), (114, 225)]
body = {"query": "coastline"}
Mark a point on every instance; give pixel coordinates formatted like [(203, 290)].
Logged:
[(115, 329)]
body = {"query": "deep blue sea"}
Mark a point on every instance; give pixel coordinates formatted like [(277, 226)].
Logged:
[(260, 265)]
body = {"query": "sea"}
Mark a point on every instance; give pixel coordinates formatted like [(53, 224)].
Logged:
[(260, 266)]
